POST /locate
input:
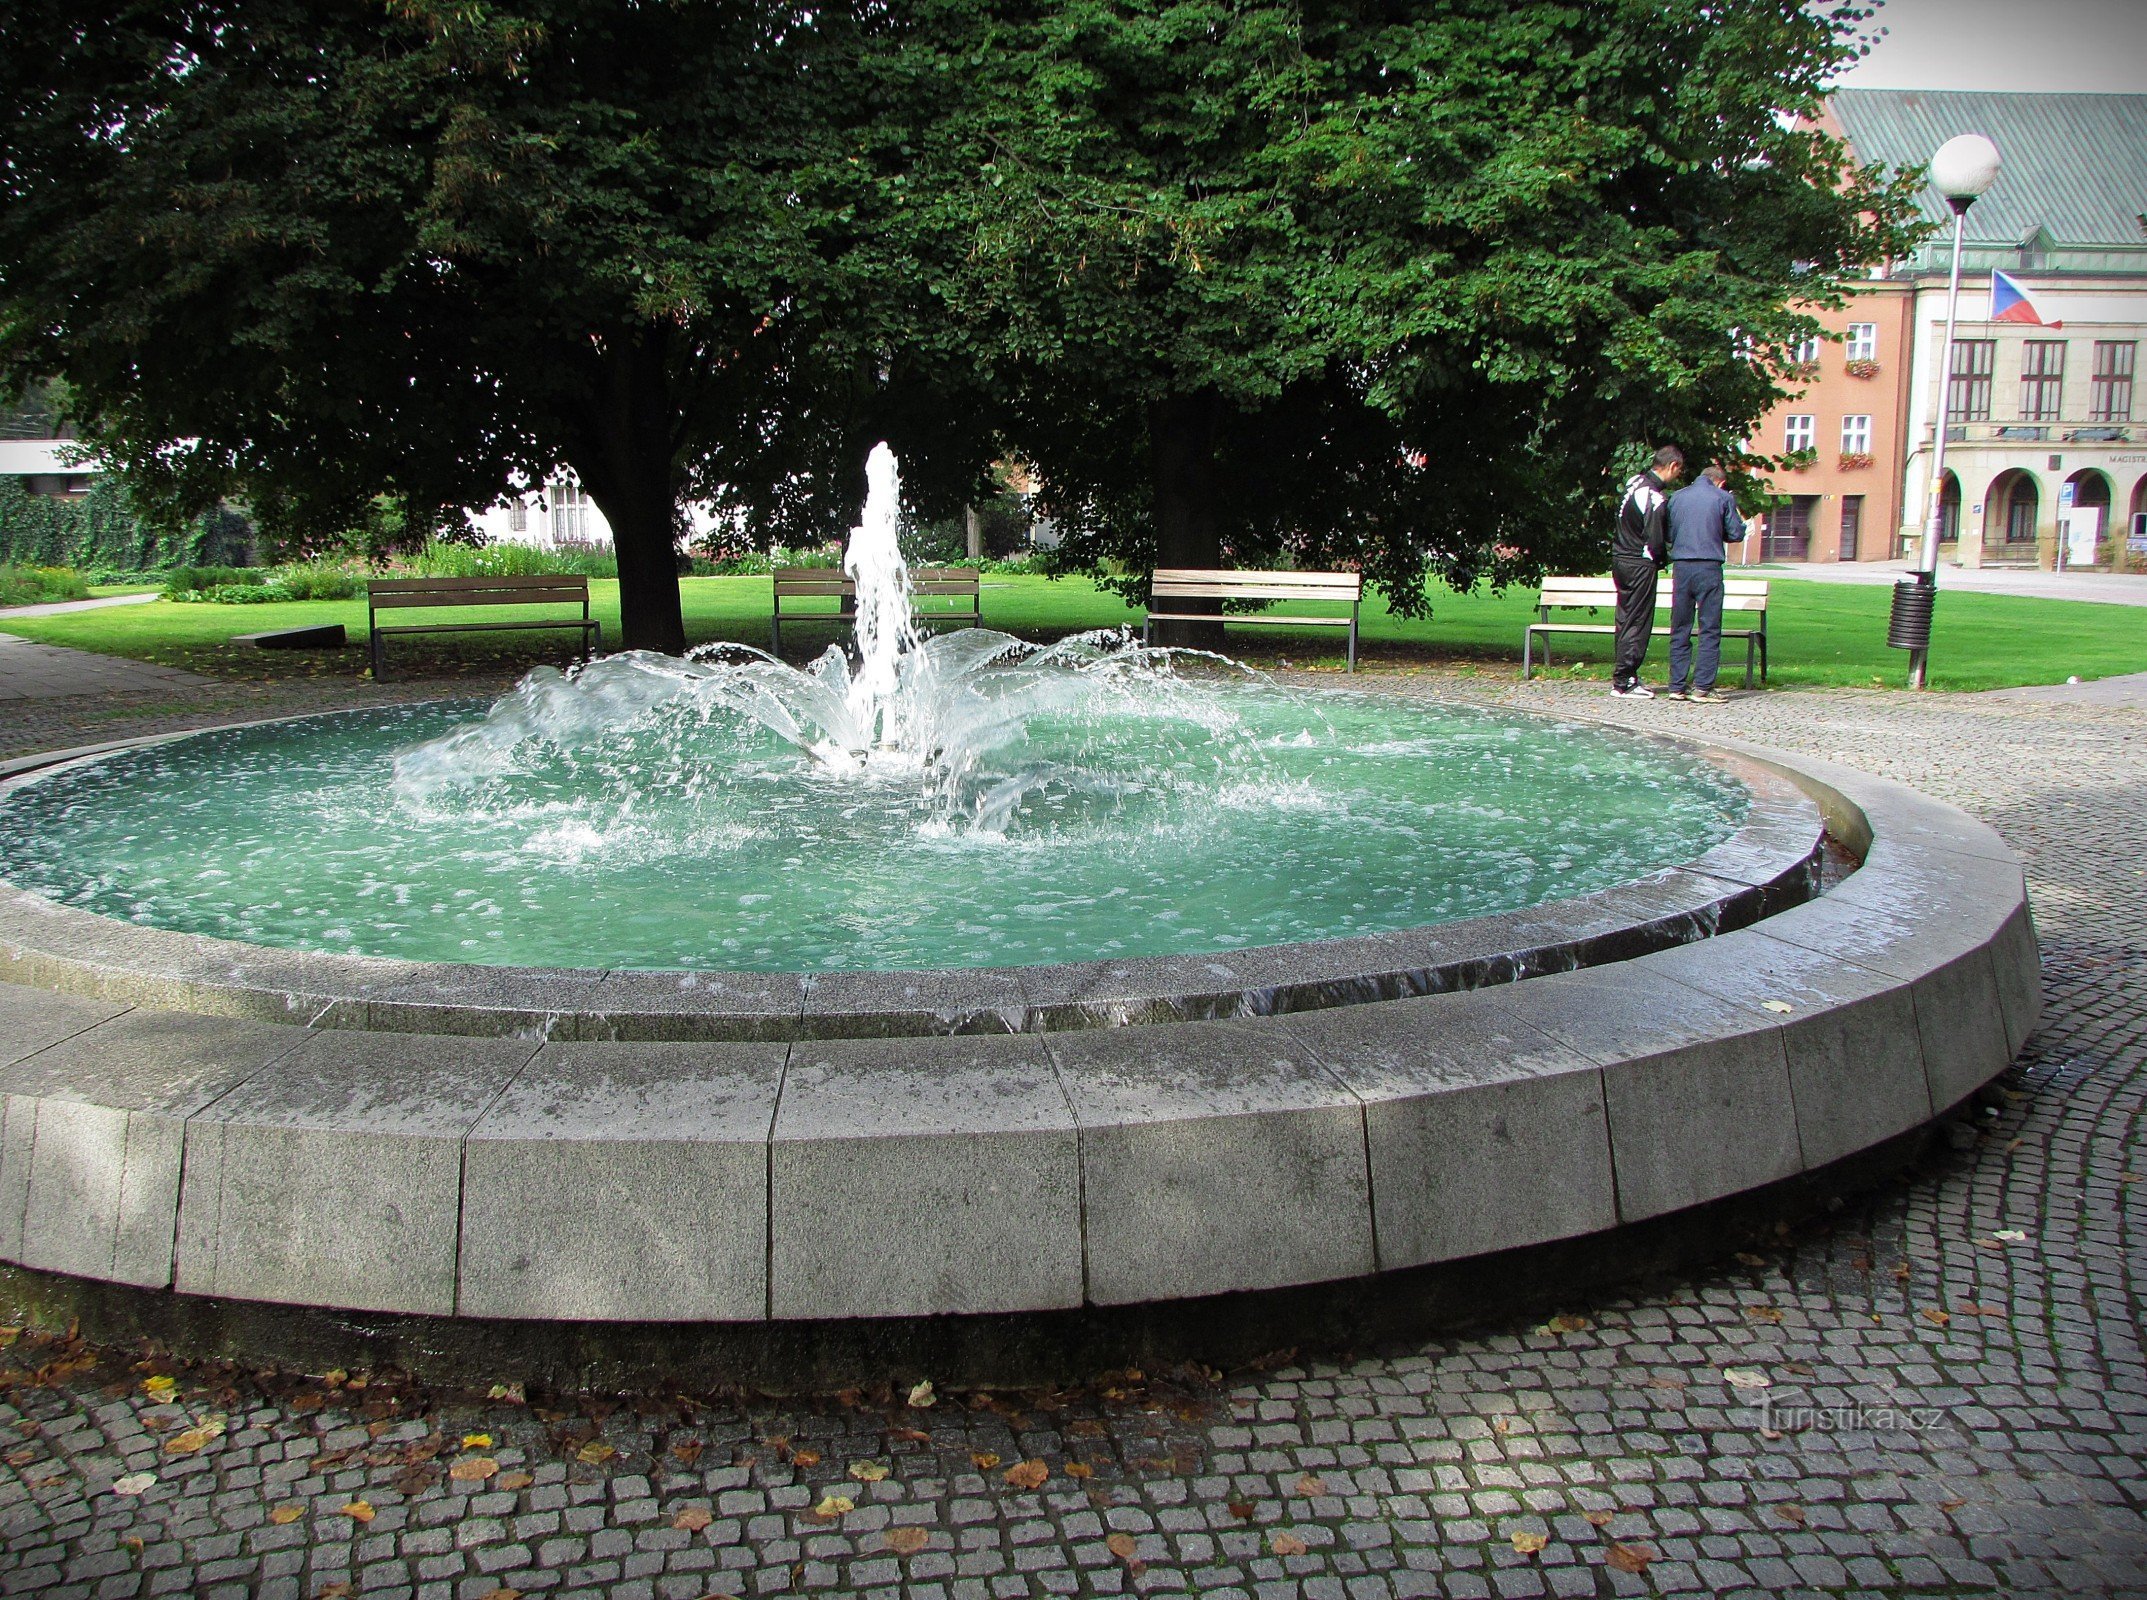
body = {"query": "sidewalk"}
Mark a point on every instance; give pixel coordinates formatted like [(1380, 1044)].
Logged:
[(43, 671), (2110, 588), (55, 608)]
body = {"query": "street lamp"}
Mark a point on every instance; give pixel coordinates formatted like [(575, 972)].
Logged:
[(1963, 168)]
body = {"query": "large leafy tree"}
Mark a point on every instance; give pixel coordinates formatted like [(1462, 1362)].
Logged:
[(1391, 284), (317, 253)]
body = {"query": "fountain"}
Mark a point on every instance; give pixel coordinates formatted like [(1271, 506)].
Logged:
[(1036, 996)]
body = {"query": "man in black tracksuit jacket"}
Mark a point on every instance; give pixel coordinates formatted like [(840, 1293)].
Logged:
[(1639, 550)]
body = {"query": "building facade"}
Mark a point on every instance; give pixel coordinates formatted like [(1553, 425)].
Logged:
[(2046, 432)]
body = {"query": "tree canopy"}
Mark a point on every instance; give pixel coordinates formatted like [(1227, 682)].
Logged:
[(1385, 284)]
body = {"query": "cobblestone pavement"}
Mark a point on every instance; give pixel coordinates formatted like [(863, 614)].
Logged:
[(1954, 1404)]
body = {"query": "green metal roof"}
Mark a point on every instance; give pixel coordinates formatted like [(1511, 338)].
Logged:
[(2073, 164)]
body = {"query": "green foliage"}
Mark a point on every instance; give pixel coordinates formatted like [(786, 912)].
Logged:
[(185, 583), (444, 559), (103, 530), (30, 586)]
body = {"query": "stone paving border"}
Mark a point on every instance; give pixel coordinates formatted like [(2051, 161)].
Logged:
[(501, 1176)]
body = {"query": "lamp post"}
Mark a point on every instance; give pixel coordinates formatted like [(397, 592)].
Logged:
[(1962, 170)]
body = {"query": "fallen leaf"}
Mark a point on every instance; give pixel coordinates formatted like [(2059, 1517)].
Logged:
[(1969, 1308), (868, 1471), (185, 1444), (284, 1515), (1569, 1324), (1122, 1545), (910, 1435), (1763, 1313), (360, 1511), (23, 1457), (474, 1469), (595, 1453), (1934, 1315), (1527, 1543), (1027, 1475), (332, 1591), (1085, 1428), (2010, 1235), (1242, 1510), (687, 1452), (1780, 1006), (833, 1506), (1632, 1558), (693, 1519), (1793, 1515), (510, 1392), (135, 1483), (1951, 1505), (477, 1441), (1309, 1485), (921, 1396), (1746, 1378), (805, 1458), (985, 1460), (1600, 1519), (1746, 1258), (413, 1480), (1079, 1469), (906, 1541), (1286, 1544), (160, 1387), (8, 1336), (513, 1480)]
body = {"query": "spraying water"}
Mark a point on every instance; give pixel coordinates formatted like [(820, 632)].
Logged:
[(886, 627)]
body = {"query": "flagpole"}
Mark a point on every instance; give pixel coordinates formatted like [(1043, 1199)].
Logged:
[(1963, 168)]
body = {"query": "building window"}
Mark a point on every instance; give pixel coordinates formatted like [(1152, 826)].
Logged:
[(2109, 396), (2042, 379), (1800, 432), (570, 513), (1863, 341), (1856, 436), (1805, 354), (1968, 389), (518, 516)]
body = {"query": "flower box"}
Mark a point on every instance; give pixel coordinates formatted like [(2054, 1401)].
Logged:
[(1854, 461), (1861, 369)]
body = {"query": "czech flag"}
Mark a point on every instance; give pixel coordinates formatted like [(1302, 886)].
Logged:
[(2009, 302)]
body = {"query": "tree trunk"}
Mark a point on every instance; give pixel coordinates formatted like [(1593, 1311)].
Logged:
[(627, 461), (1181, 463)]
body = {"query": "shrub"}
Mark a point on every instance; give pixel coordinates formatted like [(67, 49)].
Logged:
[(315, 580), (30, 586), (185, 583), (441, 559)]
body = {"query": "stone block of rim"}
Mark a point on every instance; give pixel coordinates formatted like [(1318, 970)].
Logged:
[(445, 998), (2017, 962), (1216, 1156), (872, 1005), (107, 1112), (1697, 1090), (1945, 959), (1136, 990), (689, 1005), (335, 1179), (1973, 892), (1850, 1035), (623, 1183), (33, 1019), (914, 1177), (1484, 1133)]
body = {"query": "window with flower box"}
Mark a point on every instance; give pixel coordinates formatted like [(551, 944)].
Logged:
[(1863, 341), (1800, 432)]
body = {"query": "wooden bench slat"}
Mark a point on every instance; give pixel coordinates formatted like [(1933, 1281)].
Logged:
[(1228, 583), (521, 589)]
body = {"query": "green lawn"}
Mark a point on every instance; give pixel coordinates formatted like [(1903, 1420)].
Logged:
[(1821, 633)]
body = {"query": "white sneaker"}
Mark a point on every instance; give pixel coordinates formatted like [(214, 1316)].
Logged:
[(1634, 691)]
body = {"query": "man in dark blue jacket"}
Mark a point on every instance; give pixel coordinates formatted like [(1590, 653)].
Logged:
[(1638, 551), (1703, 524)]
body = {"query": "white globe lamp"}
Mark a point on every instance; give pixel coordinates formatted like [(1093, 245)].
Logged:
[(1964, 168)]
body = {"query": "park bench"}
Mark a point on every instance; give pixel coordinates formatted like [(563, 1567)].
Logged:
[(1743, 596), (938, 595), (1205, 583), (396, 594)]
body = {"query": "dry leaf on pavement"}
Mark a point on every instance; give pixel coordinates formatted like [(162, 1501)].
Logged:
[(1027, 1475), (906, 1541), (1309, 1485), (286, 1514), (1527, 1543), (514, 1480), (693, 1519), (868, 1471), (1286, 1544), (474, 1469), (357, 1511), (135, 1483), (922, 1395), (595, 1453), (1122, 1545), (833, 1506), (985, 1460), (1632, 1558)]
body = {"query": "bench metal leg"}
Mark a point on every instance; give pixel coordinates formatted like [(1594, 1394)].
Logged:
[(1528, 648), (1352, 638), (1751, 649), (372, 639)]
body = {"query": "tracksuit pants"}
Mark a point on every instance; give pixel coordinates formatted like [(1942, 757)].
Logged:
[(1695, 597), (1635, 577)]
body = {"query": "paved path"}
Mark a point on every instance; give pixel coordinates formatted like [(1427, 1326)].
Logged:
[(2111, 588), (30, 671), (55, 608), (1956, 1387)]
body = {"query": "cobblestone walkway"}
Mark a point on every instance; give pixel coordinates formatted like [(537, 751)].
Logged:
[(1941, 1392)]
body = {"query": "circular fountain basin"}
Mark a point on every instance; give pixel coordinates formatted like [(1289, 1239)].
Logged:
[(228, 1123)]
